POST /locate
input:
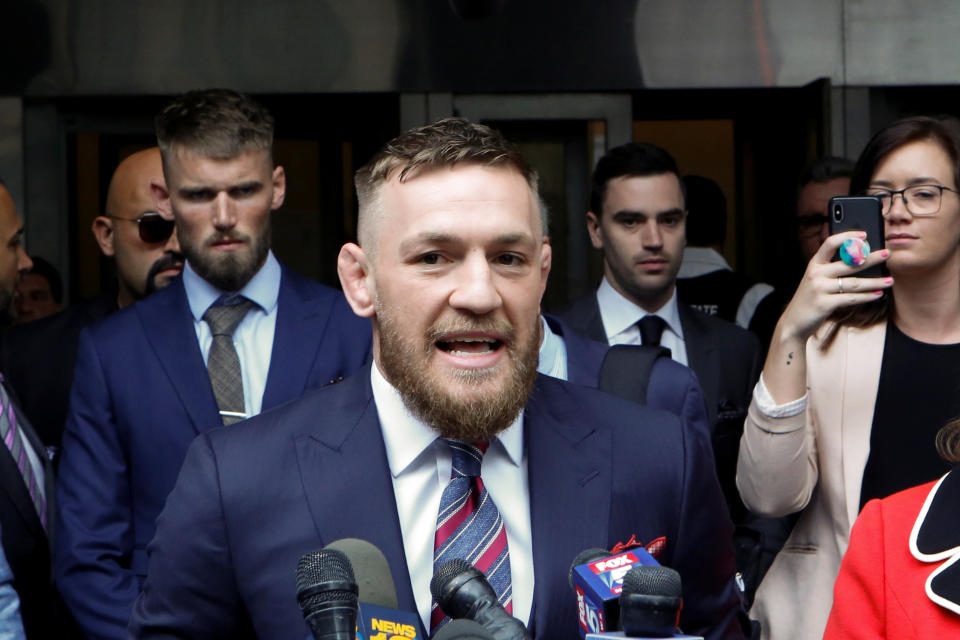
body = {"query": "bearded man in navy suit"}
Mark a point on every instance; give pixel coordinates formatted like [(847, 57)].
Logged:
[(145, 382), (451, 266)]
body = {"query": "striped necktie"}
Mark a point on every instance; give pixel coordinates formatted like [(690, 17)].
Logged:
[(469, 526), (13, 437)]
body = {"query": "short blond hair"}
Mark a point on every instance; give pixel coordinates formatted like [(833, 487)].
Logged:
[(444, 143)]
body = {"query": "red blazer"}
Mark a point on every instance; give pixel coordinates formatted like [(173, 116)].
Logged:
[(900, 577)]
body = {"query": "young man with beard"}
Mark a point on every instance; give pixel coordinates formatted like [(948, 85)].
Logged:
[(234, 334), (450, 268), (38, 358)]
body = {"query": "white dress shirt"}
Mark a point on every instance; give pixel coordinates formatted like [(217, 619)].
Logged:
[(253, 338), (420, 467), (620, 317)]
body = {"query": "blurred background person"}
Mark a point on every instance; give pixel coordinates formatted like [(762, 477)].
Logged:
[(899, 578), (842, 412), (820, 181), (40, 293)]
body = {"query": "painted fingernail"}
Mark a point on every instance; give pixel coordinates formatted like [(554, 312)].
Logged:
[(878, 293), (888, 281), (854, 251), (885, 253)]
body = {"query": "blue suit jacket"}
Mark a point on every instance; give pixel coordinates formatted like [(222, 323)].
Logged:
[(673, 387), (141, 394), (254, 498)]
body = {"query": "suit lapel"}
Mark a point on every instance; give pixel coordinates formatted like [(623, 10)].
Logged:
[(168, 326), (584, 316), (569, 491), (859, 363), (346, 479), (702, 358), (299, 330)]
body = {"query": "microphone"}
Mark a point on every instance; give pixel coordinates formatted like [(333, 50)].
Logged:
[(650, 605), (462, 630), (378, 615), (462, 591), (327, 594), (597, 580)]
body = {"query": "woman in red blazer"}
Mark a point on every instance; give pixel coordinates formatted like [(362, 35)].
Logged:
[(900, 577)]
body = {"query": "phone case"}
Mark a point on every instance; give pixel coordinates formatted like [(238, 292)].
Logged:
[(859, 213)]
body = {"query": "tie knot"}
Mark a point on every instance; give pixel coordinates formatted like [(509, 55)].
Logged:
[(466, 458), (651, 329), (226, 313)]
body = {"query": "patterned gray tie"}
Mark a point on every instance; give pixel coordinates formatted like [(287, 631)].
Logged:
[(223, 364)]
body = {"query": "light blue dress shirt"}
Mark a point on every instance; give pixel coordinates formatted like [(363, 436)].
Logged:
[(11, 626), (253, 338), (553, 353)]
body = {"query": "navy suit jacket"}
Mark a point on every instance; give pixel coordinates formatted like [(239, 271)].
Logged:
[(141, 394), (254, 498), (672, 387)]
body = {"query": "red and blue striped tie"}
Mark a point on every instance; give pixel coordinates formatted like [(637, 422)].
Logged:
[(469, 526)]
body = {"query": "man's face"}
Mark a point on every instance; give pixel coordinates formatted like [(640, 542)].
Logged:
[(142, 265), (222, 209), (34, 299), (14, 261), (642, 232), (812, 228), (454, 286)]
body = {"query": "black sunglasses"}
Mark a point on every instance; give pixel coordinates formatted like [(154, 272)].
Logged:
[(152, 226)]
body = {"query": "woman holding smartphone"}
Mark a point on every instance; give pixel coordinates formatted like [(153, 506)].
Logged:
[(860, 375)]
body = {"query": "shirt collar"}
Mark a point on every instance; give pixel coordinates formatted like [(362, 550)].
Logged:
[(406, 437), (263, 288), (619, 314), (698, 261), (552, 353)]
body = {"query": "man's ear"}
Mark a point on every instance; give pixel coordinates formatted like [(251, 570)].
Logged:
[(593, 228), (356, 279), (161, 199), (279, 188), (546, 261), (103, 231)]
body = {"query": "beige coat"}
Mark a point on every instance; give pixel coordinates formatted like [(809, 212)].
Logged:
[(812, 462)]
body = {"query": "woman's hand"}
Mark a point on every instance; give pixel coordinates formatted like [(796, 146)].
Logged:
[(827, 286)]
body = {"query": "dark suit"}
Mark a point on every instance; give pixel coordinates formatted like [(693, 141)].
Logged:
[(38, 359), (141, 394), (672, 386), (25, 542), (289, 481), (726, 360)]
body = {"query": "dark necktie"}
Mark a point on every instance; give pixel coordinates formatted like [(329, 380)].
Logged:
[(223, 364), (651, 329), (13, 437), (469, 527)]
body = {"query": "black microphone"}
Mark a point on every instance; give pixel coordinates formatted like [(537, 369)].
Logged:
[(462, 591), (378, 614), (650, 602), (462, 630), (327, 593)]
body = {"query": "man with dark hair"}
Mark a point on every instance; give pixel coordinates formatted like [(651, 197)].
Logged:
[(820, 181), (638, 220), (450, 269), (235, 333), (706, 282), (40, 292)]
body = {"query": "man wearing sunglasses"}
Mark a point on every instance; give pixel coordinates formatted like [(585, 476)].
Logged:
[(141, 241), (234, 334)]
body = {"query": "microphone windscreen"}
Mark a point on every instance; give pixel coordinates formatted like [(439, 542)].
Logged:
[(445, 573), (585, 557), (462, 629), (653, 580), (372, 571)]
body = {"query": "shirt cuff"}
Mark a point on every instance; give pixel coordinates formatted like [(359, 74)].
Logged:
[(769, 407)]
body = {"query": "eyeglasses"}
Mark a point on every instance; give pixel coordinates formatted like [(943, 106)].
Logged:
[(920, 199), (812, 222), (153, 227)]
